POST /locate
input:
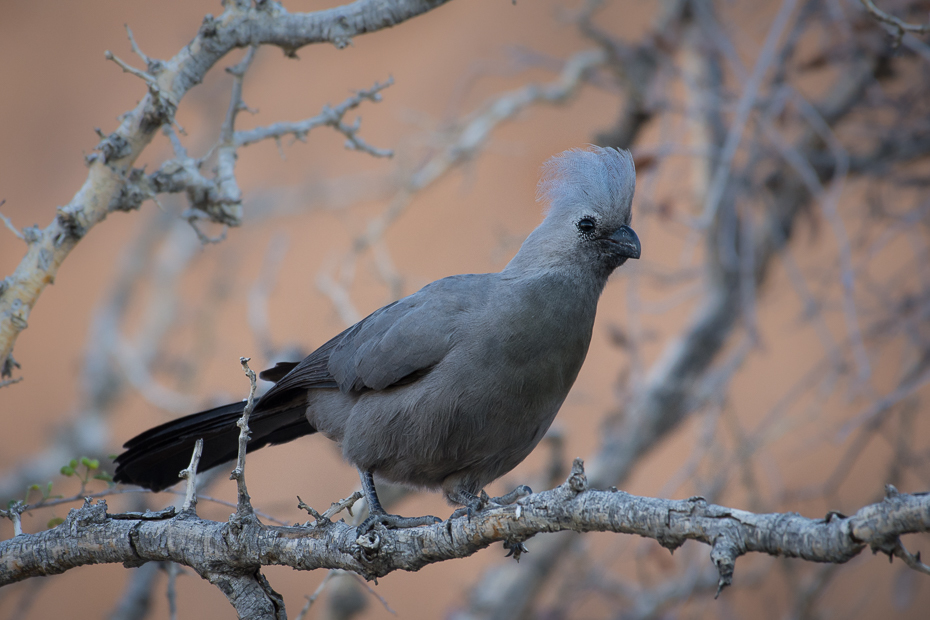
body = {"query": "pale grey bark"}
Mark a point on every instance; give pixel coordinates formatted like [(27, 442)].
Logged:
[(231, 554)]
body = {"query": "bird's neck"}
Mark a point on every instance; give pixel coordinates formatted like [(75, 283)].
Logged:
[(539, 256)]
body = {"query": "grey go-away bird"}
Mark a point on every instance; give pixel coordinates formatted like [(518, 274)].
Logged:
[(451, 387)]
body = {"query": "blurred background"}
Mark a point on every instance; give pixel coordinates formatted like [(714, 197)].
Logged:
[(771, 350)]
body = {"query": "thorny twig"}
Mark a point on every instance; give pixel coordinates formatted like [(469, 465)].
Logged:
[(244, 504), (190, 474)]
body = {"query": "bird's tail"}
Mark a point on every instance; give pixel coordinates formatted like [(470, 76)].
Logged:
[(154, 458)]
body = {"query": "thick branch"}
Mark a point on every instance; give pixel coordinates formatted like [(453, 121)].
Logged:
[(91, 536)]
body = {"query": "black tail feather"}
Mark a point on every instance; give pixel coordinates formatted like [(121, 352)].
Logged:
[(154, 458)]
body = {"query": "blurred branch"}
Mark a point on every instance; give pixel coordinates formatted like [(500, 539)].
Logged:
[(899, 26), (671, 388), (460, 144), (161, 253)]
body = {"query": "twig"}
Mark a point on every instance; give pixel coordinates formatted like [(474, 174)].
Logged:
[(244, 504), (466, 141), (829, 205), (171, 591), (912, 560), (7, 382), (331, 116), (235, 100), (122, 491), (142, 75), (311, 599), (135, 602), (202, 236), (340, 297), (371, 591), (9, 223), (898, 25), (135, 369), (746, 102), (190, 474), (179, 151), (136, 49), (261, 290), (14, 514), (333, 510)]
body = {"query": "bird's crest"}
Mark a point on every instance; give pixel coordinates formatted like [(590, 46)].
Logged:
[(602, 177)]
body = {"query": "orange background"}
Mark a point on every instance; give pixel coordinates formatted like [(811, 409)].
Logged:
[(58, 87)]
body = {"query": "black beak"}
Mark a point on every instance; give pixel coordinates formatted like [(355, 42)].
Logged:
[(626, 241)]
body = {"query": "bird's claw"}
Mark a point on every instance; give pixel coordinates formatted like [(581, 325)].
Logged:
[(515, 549), (513, 497), (479, 502), (395, 522)]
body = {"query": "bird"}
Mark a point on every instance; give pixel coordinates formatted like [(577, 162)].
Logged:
[(453, 386)]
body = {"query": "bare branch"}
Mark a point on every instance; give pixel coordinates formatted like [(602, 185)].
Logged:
[(744, 107), (329, 116), (244, 505), (90, 535), (190, 474)]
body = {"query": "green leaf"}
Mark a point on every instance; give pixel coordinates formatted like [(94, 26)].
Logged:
[(54, 522), (73, 464), (112, 457), (103, 476)]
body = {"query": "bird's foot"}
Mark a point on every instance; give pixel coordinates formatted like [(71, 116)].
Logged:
[(395, 522), (513, 497), (515, 549), (476, 503), (472, 505)]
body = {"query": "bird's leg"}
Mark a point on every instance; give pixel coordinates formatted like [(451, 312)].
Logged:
[(377, 513), (371, 493)]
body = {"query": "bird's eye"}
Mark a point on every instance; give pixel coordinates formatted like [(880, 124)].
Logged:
[(586, 225)]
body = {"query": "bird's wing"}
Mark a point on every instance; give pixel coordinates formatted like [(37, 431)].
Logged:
[(394, 345), (402, 342), (311, 372)]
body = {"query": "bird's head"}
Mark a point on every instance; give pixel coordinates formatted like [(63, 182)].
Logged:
[(590, 195)]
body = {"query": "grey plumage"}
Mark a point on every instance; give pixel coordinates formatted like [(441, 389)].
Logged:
[(453, 386)]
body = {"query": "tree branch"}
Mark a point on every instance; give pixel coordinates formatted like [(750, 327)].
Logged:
[(92, 536), (110, 168)]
